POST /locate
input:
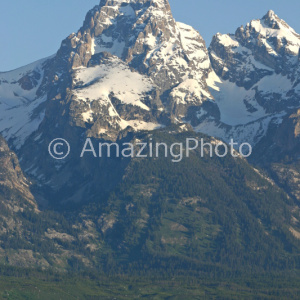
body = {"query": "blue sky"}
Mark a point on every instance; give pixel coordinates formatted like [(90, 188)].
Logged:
[(34, 29)]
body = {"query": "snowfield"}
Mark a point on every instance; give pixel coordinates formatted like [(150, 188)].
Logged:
[(19, 116)]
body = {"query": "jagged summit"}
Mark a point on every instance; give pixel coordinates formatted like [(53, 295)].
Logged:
[(145, 35), (270, 41), (273, 21), (274, 33), (124, 28), (279, 28), (258, 83), (270, 15)]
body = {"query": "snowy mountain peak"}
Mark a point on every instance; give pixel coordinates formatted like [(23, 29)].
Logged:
[(271, 26), (143, 34), (258, 69), (271, 20), (267, 43), (270, 15), (125, 28)]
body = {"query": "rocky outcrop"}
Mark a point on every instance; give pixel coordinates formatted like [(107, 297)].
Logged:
[(14, 186)]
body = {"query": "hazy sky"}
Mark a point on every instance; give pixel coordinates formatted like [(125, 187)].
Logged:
[(34, 29)]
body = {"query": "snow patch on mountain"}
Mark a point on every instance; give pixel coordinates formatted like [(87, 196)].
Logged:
[(275, 83), (19, 102), (250, 133), (233, 101), (189, 91), (101, 82), (87, 116), (14, 75), (228, 40), (138, 125)]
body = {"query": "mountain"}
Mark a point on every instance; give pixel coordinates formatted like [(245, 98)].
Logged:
[(130, 67), (162, 65), (133, 74), (257, 81)]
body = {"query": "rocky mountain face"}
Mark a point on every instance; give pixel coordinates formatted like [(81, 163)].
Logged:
[(132, 68), (131, 65), (278, 153), (258, 78), (12, 179)]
